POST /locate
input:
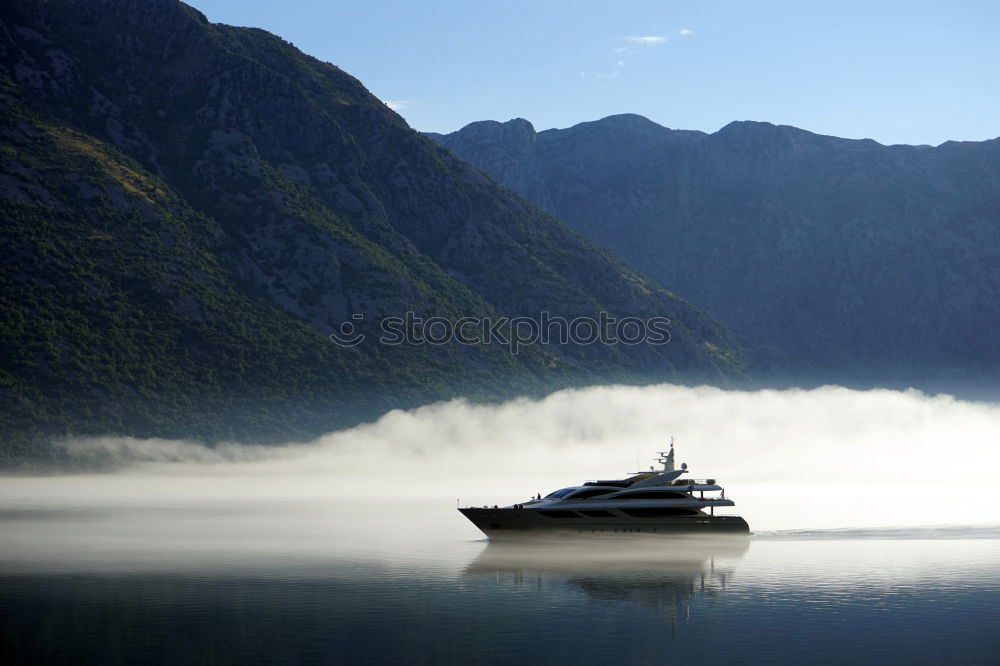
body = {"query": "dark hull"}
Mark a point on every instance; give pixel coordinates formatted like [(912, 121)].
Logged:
[(518, 523)]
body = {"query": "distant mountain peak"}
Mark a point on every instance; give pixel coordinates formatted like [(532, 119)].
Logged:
[(627, 120), (631, 123), (513, 125), (515, 138), (751, 132), (520, 123), (745, 126)]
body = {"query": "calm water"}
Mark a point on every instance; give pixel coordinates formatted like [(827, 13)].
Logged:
[(296, 584)]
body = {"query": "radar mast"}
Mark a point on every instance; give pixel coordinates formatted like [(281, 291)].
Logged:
[(667, 457)]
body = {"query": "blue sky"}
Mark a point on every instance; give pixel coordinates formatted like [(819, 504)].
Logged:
[(897, 72)]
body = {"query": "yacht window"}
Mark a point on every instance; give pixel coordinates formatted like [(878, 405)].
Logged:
[(659, 512), (556, 494), (598, 513), (558, 514), (584, 494), (650, 494)]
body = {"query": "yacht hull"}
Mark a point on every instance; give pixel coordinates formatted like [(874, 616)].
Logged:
[(513, 523)]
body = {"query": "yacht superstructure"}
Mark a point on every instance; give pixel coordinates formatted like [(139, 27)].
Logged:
[(653, 502)]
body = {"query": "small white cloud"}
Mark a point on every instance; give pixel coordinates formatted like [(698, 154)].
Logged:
[(684, 32), (398, 105), (649, 40)]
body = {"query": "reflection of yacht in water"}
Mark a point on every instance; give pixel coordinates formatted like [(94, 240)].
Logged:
[(633, 570), (653, 502)]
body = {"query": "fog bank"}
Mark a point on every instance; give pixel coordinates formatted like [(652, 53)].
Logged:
[(828, 457)]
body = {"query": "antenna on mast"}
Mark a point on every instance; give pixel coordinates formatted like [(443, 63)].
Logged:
[(667, 457)]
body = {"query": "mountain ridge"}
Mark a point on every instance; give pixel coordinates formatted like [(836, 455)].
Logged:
[(871, 264)]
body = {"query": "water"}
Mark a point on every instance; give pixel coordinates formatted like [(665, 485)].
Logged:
[(180, 580)]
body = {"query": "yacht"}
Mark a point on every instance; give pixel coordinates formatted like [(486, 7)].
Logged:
[(651, 502)]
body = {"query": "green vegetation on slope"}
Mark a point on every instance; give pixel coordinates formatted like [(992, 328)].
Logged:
[(191, 209)]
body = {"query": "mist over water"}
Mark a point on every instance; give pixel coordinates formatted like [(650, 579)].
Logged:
[(348, 549), (824, 458)]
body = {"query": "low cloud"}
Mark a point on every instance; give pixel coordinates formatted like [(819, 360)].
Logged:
[(684, 32), (649, 40)]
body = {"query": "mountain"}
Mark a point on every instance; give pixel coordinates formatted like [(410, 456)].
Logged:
[(872, 265), (190, 210)]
